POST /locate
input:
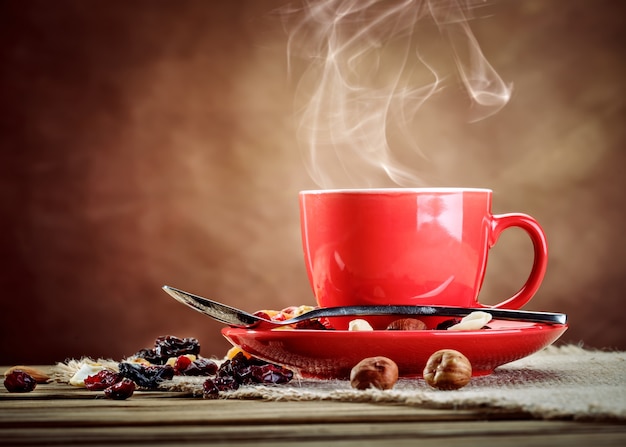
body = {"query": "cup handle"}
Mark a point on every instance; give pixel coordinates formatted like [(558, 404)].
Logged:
[(527, 223)]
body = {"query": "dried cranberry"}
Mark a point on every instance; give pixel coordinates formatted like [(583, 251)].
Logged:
[(326, 323), (18, 381), (121, 390), (182, 363), (246, 370), (200, 367), (210, 390), (239, 368), (226, 369), (262, 314), (146, 376), (271, 374), (226, 383), (102, 380), (310, 324)]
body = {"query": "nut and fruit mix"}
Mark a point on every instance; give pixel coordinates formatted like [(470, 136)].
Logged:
[(474, 321), (149, 368)]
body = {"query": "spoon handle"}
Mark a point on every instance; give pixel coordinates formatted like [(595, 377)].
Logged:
[(441, 311)]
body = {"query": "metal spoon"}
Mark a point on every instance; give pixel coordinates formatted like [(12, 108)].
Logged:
[(241, 319)]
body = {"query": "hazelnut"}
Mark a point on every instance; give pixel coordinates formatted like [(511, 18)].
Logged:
[(447, 369), (407, 324), (374, 372)]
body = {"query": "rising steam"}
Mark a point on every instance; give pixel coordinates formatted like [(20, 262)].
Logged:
[(362, 78)]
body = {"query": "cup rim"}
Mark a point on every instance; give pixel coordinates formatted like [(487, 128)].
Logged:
[(395, 190)]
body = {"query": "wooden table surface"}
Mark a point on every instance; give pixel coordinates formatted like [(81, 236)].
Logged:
[(58, 414)]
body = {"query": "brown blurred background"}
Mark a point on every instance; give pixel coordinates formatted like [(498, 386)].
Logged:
[(145, 143)]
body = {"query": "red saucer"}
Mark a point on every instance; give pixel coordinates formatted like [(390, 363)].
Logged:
[(332, 353)]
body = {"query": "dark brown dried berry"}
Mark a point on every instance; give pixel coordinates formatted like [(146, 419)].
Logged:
[(444, 325), (169, 346), (102, 380), (18, 381), (121, 390), (150, 355), (146, 376)]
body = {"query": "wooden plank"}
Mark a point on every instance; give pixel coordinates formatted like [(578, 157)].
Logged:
[(63, 404), (187, 411), (174, 421), (505, 433)]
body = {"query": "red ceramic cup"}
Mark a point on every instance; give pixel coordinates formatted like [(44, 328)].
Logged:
[(421, 246)]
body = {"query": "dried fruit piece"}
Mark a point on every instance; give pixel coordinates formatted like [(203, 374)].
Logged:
[(121, 390), (472, 322), (199, 367), (270, 373), (247, 370), (264, 314), (232, 352), (310, 324), (168, 346), (180, 364), (210, 389), (37, 374), (146, 376), (102, 380), (359, 325), (226, 383), (374, 372), (299, 310), (243, 369), (18, 381), (86, 369), (447, 369), (444, 325), (407, 324)]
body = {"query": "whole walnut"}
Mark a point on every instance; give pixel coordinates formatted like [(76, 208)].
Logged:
[(374, 372)]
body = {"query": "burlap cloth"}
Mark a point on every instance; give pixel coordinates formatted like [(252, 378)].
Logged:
[(566, 382)]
